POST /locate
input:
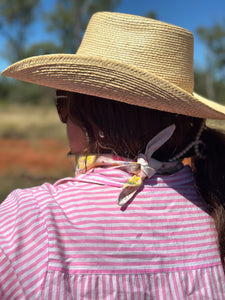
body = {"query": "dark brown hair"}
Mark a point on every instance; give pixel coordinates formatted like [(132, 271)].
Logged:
[(127, 130)]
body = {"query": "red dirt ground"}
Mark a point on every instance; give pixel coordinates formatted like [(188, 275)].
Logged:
[(34, 156)]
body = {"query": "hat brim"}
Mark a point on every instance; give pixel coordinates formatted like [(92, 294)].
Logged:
[(112, 80)]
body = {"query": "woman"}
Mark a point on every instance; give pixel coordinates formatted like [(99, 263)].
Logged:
[(134, 223)]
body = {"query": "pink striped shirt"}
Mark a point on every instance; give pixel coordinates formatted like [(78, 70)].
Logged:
[(71, 240)]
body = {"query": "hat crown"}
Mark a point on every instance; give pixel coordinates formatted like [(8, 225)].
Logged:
[(162, 49)]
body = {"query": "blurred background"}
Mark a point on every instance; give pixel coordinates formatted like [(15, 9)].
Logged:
[(33, 147)]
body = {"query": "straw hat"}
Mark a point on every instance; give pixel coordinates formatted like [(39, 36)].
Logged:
[(127, 58)]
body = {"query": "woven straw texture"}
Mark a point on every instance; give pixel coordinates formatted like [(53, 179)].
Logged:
[(126, 58)]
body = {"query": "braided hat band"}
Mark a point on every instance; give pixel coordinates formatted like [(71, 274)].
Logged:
[(127, 58)]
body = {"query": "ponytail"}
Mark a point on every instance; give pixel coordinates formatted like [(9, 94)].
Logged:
[(210, 181)]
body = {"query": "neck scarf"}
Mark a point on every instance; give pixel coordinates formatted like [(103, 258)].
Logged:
[(144, 167)]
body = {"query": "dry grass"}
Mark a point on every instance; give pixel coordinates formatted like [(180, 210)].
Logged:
[(26, 121), (217, 124)]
